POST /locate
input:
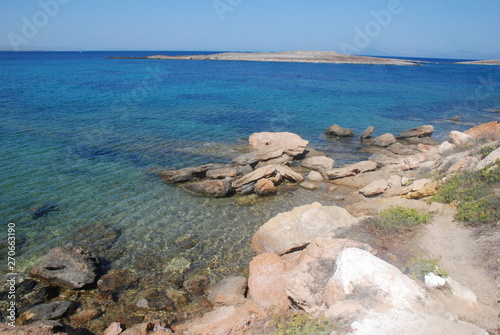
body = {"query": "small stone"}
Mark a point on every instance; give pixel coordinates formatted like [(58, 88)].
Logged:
[(85, 316), (315, 176), (433, 281), (264, 187), (309, 186)]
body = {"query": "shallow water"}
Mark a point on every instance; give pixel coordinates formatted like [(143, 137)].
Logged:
[(84, 133)]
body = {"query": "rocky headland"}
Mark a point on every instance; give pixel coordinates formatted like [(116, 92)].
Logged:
[(482, 62), (300, 56), (323, 262)]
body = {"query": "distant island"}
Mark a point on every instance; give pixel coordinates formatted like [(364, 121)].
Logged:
[(286, 56), (482, 62)]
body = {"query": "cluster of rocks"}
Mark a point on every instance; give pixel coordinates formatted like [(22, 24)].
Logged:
[(299, 260)]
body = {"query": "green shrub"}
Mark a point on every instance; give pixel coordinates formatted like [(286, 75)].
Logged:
[(471, 192), (486, 150), (298, 323), (397, 218), (419, 266)]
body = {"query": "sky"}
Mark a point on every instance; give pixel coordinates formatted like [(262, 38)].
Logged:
[(415, 28)]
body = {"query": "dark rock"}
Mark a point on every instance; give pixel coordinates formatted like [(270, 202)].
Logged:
[(68, 267), (116, 280), (188, 174), (39, 211), (213, 188), (455, 118), (48, 311), (197, 285), (337, 130), (187, 242), (156, 300), (367, 133), (423, 131)]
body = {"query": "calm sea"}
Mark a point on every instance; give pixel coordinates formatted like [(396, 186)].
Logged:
[(83, 134)]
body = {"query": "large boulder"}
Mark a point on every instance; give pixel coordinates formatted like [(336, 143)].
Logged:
[(359, 270), (367, 133), (265, 283), (296, 229), (292, 144), (306, 278), (217, 188), (423, 131), (383, 140), (68, 267), (337, 130), (486, 131), (318, 163)]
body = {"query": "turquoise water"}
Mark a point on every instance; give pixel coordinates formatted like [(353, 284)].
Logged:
[(85, 133)]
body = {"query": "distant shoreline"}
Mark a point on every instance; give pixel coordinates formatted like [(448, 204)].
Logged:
[(482, 62), (327, 57)]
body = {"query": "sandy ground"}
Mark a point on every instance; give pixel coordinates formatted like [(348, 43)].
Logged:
[(471, 257)]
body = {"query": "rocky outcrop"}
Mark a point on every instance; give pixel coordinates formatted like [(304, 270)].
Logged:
[(367, 133), (292, 144), (188, 174), (383, 140), (336, 130), (275, 173), (296, 229), (72, 268), (423, 131), (486, 131), (263, 156), (460, 139)]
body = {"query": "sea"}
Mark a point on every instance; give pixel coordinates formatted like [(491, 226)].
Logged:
[(82, 138)]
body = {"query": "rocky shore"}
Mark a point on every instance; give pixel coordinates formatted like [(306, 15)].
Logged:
[(317, 260), (300, 56)]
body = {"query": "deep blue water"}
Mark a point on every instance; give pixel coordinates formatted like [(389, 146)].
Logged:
[(83, 133)]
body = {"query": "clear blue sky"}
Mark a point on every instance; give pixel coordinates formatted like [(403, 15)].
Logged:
[(442, 28)]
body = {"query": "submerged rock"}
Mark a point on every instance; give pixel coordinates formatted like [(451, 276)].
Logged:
[(68, 267), (39, 211), (422, 131), (48, 311), (336, 130), (217, 188)]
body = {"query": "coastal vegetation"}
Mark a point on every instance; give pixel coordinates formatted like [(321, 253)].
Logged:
[(421, 265), (472, 192), (398, 218)]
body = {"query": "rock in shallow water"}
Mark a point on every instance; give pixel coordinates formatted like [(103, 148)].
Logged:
[(336, 130), (422, 131), (292, 144), (212, 188), (68, 267), (48, 311)]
